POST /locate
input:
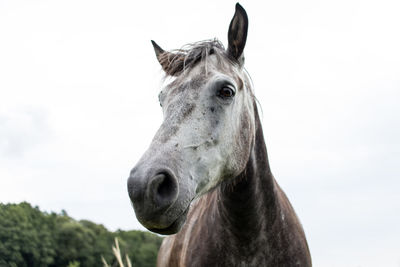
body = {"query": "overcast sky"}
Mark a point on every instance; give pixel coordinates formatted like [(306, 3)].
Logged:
[(78, 107)]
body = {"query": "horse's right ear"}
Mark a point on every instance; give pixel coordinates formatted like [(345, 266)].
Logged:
[(237, 34), (160, 53), (158, 50), (165, 59)]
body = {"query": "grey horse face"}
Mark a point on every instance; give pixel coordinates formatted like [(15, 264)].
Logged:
[(205, 138)]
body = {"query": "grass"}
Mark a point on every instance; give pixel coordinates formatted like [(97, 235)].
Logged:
[(118, 257)]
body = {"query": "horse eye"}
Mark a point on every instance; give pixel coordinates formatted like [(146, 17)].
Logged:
[(226, 92)]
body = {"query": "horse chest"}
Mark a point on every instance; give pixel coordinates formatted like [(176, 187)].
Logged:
[(206, 241), (212, 245)]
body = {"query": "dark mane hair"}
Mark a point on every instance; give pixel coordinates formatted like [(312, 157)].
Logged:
[(177, 61)]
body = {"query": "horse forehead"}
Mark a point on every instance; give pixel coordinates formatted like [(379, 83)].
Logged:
[(188, 87), (198, 76)]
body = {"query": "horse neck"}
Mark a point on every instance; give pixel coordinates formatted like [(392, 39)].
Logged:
[(255, 213), (248, 203)]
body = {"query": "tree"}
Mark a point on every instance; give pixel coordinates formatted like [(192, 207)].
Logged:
[(29, 237), (25, 236)]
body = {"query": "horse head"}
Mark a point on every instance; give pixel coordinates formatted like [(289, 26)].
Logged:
[(207, 132)]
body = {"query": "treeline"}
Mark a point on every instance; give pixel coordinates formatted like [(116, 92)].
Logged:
[(30, 237)]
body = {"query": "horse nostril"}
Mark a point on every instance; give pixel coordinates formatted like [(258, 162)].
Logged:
[(163, 189)]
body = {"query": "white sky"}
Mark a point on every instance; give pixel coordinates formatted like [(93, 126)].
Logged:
[(78, 107)]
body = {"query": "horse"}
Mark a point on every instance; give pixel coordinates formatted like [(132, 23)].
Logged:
[(205, 181)]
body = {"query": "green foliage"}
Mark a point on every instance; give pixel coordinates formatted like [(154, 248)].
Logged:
[(29, 237), (74, 264), (25, 235)]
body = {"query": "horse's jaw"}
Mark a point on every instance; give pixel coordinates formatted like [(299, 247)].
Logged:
[(175, 227)]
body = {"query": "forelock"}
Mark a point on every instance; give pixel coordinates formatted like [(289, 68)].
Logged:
[(181, 60)]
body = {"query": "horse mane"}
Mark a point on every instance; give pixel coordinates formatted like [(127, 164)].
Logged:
[(180, 60)]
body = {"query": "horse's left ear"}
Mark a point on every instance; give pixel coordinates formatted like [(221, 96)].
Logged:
[(237, 34)]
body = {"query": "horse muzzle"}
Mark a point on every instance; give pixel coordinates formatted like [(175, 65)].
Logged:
[(155, 196)]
